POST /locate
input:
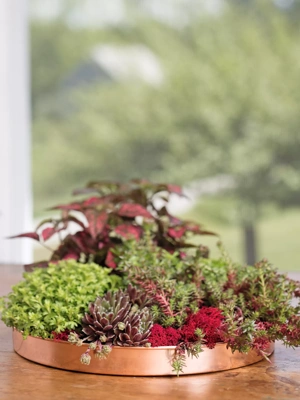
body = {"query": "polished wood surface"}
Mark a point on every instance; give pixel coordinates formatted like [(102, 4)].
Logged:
[(23, 380)]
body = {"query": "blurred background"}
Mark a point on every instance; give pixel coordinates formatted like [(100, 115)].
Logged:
[(201, 93)]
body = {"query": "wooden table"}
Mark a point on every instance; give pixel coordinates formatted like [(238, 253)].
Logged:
[(23, 380)]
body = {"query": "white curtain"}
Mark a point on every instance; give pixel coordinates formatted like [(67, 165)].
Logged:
[(15, 157)]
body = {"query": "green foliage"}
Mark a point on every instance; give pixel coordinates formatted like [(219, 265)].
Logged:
[(213, 112), (178, 362), (255, 300), (191, 349), (55, 298), (194, 349), (143, 259), (223, 280), (157, 271)]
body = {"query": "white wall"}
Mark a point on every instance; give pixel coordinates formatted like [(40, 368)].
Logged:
[(15, 157)]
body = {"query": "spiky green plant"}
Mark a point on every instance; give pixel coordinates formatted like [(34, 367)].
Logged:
[(155, 271)]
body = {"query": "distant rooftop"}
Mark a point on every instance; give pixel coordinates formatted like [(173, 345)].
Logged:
[(117, 63), (129, 62)]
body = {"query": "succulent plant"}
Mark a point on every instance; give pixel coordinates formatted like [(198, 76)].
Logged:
[(119, 318), (104, 315), (136, 330), (138, 297)]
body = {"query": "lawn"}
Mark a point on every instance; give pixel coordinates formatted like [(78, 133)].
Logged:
[(278, 233)]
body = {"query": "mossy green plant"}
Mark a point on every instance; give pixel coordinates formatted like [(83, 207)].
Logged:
[(55, 298)]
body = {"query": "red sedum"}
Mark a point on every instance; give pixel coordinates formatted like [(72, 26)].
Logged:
[(208, 319)]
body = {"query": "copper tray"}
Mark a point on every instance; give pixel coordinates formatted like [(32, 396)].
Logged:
[(132, 361)]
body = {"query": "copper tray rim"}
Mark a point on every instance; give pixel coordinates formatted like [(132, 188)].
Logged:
[(115, 347), (156, 362), (125, 348)]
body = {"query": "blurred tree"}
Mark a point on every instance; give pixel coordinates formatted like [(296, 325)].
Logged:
[(55, 50), (229, 104), (244, 104)]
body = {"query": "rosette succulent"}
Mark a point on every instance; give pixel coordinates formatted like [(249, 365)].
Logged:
[(119, 318), (136, 330)]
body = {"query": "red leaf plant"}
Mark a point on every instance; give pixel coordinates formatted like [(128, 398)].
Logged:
[(64, 335), (118, 212), (208, 319), (161, 336)]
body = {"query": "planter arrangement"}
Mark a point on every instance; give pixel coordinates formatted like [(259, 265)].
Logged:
[(132, 293)]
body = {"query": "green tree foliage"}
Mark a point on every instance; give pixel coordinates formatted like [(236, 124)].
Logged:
[(55, 50), (229, 104)]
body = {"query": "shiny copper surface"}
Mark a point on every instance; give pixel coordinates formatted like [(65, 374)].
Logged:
[(133, 361)]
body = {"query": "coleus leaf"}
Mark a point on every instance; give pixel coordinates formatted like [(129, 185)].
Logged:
[(47, 221), (70, 218), (195, 228), (175, 189), (131, 210), (70, 255), (68, 246), (177, 233), (47, 233), (96, 221), (114, 210), (58, 225), (91, 201), (128, 231), (80, 242), (110, 260), (76, 206), (94, 201), (30, 235)]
